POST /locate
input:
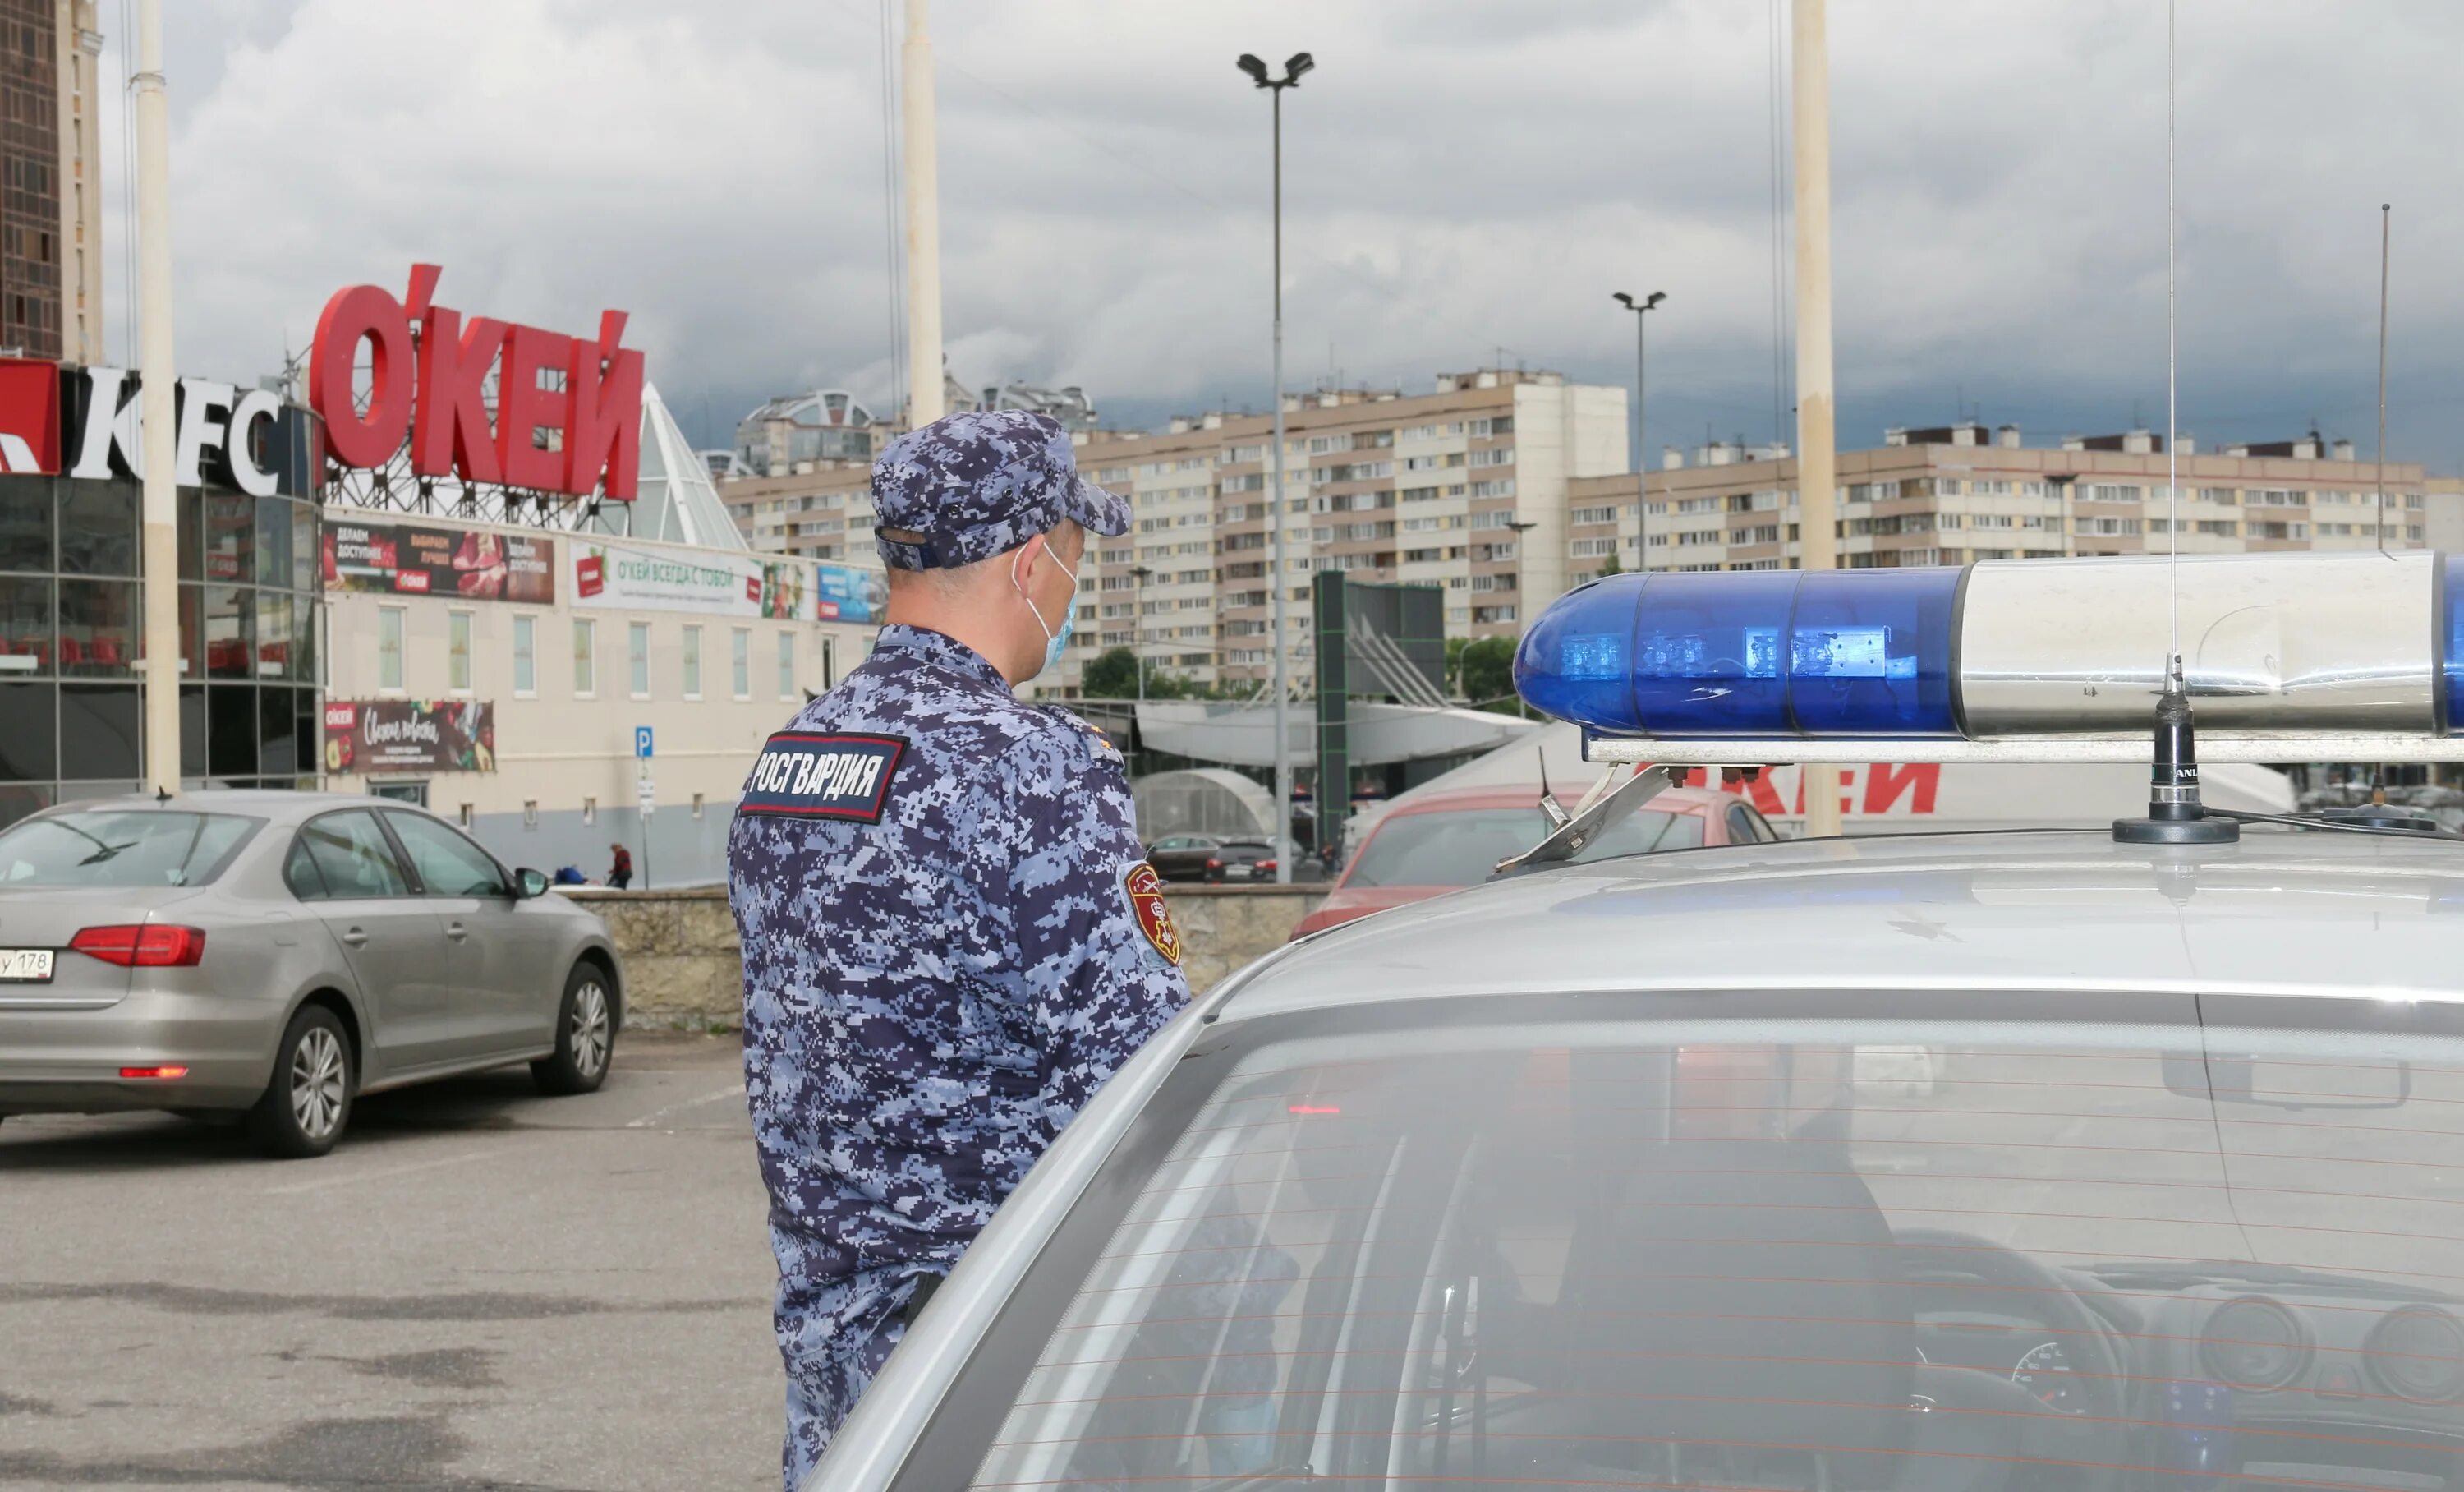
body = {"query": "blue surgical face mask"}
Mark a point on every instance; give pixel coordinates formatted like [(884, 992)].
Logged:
[(1052, 649), (1054, 642)]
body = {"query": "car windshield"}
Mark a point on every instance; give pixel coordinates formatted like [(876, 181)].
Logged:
[(1461, 848), (1437, 1248), (136, 847)]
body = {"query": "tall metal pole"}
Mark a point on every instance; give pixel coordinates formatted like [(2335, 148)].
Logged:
[(162, 515), (2384, 208), (1283, 642), (1641, 458), (924, 378), (1817, 468)]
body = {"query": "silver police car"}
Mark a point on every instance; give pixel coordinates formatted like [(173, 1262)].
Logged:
[(275, 955), (2011, 1163)]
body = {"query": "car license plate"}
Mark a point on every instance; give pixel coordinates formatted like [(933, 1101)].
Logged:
[(26, 966)]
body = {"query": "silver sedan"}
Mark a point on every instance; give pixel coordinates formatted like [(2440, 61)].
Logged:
[(276, 954)]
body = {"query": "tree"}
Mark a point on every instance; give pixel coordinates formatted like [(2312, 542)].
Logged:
[(1487, 672), (1113, 675), (1110, 675), (1612, 567)]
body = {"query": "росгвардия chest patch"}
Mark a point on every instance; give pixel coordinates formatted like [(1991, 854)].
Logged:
[(811, 774)]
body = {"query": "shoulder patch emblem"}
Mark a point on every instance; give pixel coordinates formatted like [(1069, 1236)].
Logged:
[(1144, 890), (1102, 745), (810, 774)]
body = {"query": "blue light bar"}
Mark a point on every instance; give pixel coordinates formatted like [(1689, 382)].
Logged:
[(2344, 657), (1756, 655), (2451, 598)]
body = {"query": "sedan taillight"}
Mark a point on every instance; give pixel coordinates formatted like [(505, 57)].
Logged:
[(143, 944), (1214, 864)]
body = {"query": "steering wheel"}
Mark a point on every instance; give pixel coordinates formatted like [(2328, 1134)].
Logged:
[(2033, 1429)]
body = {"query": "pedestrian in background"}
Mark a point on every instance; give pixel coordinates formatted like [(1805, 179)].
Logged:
[(620, 870), (951, 936)]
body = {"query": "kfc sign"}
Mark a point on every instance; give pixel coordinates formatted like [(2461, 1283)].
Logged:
[(226, 437), (580, 434), (89, 423), (30, 416)]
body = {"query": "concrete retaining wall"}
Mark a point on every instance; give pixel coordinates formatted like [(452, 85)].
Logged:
[(682, 967)]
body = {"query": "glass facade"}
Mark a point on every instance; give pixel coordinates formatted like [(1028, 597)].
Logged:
[(72, 633)]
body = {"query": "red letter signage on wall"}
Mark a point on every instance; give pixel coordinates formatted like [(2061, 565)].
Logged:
[(579, 435)]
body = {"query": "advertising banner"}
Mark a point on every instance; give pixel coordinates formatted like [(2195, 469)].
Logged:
[(619, 577), (844, 594), (405, 559), (410, 736)]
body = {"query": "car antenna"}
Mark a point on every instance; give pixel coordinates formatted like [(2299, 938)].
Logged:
[(2174, 812), (1549, 808), (162, 794)]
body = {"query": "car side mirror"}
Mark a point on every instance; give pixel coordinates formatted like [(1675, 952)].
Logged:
[(532, 883)]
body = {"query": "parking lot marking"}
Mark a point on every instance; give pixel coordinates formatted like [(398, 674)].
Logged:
[(382, 1173), (734, 1091)]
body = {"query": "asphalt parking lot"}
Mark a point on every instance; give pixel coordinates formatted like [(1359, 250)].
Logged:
[(481, 1288)]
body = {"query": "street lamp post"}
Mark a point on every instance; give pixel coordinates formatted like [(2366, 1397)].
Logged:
[(1141, 574), (1300, 62), (1641, 447), (1519, 527)]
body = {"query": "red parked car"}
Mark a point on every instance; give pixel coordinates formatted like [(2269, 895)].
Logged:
[(1443, 842)]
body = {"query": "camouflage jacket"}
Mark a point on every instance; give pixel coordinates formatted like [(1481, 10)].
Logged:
[(951, 940)]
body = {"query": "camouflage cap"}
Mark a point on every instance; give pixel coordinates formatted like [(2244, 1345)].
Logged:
[(975, 484)]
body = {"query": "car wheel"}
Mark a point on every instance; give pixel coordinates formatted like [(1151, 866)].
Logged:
[(585, 1036), (308, 1101)]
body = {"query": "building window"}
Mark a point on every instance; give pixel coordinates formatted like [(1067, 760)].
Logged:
[(389, 647), (526, 658), (530, 813), (692, 662), (696, 805), (464, 815), (591, 810), (586, 650), (637, 658), (739, 645), (786, 666), (457, 652)]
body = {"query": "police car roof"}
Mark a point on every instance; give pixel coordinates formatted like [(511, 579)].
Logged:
[(2282, 912)]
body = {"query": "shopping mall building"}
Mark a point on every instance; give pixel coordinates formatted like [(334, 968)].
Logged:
[(556, 671)]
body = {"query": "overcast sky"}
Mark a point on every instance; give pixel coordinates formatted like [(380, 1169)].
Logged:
[(1460, 176)]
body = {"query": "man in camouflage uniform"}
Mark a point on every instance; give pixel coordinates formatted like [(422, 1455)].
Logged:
[(951, 939)]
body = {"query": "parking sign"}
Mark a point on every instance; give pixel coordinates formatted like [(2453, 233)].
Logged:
[(642, 741)]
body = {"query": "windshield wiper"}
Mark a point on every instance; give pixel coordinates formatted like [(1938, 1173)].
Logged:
[(105, 848)]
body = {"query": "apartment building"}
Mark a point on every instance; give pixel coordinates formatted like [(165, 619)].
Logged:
[(51, 203), (1957, 493), (821, 510), (1465, 488)]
